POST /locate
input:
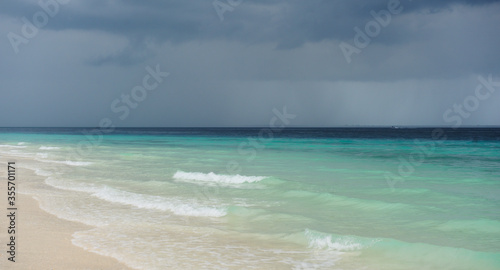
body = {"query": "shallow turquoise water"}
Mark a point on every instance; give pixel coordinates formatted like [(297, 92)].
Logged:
[(367, 199)]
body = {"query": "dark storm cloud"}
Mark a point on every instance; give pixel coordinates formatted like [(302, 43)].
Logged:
[(288, 23), (265, 54)]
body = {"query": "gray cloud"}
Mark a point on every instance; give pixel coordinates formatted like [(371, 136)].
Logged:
[(294, 21), (264, 54)]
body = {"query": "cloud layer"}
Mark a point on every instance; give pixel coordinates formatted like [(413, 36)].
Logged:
[(232, 70)]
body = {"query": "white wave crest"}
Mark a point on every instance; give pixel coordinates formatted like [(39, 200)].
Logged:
[(217, 178), (67, 162), (76, 163), (143, 201), (12, 146), (319, 240), (49, 148)]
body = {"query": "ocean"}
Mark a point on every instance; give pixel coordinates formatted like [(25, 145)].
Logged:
[(251, 198)]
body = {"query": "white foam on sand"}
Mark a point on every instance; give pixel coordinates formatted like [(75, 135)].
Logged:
[(42, 155), (42, 172)]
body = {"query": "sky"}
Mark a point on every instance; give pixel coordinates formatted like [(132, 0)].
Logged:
[(240, 63)]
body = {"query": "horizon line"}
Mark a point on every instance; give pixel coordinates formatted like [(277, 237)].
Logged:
[(288, 127)]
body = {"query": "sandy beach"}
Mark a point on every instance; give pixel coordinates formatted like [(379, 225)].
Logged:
[(44, 242)]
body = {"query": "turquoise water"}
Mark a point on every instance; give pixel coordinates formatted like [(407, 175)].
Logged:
[(303, 199)]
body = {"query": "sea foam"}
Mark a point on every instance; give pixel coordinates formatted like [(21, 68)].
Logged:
[(12, 146), (42, 155), (48, 148), (41, 172), (318, 240), (143, 201), (67, 162), (76, 163), (217, 178)]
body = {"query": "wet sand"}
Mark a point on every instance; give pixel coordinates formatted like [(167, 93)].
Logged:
[(43, 241)]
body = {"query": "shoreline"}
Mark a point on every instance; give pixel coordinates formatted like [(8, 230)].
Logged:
[(44, 242)]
